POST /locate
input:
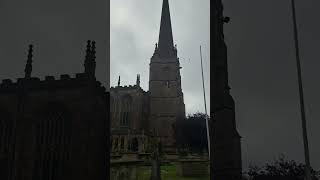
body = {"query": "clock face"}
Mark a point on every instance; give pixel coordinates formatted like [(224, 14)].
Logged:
[(166, 68)]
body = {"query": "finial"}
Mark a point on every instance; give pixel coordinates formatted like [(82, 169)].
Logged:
[(93, 49), (89, 63), (138, 80), (88, 49), (119, 81), (28, 68)]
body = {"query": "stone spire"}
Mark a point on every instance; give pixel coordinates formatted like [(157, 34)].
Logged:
[(138, 80), (28, 68), (119, 81), (165, 44)]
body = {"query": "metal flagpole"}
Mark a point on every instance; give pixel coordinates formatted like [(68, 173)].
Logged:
[(205, 104), (302, 108)]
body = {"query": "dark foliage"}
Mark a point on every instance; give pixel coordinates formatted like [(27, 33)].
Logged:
[(192, 134), (280, 169)]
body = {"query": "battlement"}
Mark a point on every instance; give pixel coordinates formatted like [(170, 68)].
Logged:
[(126, 88), (50, 83)]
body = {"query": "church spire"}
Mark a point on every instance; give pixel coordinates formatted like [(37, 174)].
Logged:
[(165, 45)]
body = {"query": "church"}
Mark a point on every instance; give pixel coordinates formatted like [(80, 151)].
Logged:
[(139, 116)]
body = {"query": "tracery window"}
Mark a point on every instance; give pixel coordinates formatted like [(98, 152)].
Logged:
[(135, 145), (53, 138), (126, 107), (116, 144)]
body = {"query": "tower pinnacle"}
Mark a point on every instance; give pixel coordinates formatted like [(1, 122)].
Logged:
[(89, 63), (138, 80), (28, 68), (165, 44)]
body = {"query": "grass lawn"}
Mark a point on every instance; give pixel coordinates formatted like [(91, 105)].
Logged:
[(167, 173)]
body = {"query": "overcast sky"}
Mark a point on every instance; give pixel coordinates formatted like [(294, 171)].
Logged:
[(263, 78), (59, 30), (135, 30)]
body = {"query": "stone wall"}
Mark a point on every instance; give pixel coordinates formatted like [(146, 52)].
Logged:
[(124, 170), (78, 106)]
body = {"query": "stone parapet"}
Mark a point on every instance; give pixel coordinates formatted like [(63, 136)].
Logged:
[(50, 83)]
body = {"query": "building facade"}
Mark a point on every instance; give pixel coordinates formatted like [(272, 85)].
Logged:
[(54, 129)]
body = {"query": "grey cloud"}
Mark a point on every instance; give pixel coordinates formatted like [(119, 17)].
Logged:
[(59, 30), (143, 19)]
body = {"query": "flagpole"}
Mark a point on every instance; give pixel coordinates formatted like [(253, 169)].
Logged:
[(205, 105), (302, 108)]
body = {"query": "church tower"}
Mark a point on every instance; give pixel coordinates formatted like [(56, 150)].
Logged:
[(166, 97)]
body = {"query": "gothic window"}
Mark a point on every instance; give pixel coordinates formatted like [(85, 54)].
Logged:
[(129, 144), (116, 144), (52, 144), (135, 145), (126, 107)]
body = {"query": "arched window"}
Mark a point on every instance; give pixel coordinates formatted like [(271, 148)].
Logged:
[(126, 106), (135, 145), (53, 138), (122, 143), (116, 144)]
